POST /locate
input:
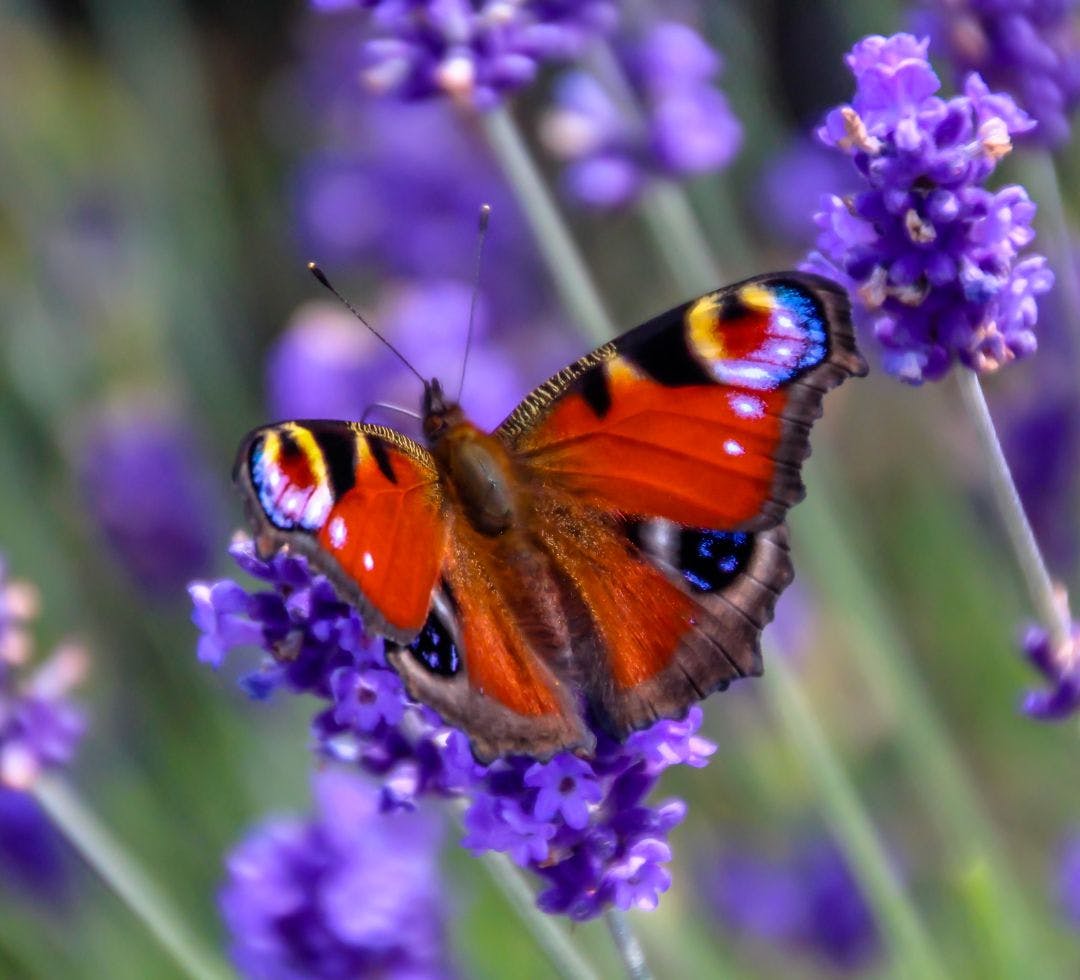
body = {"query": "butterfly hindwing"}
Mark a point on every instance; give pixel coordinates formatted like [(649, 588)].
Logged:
[(362, 502)]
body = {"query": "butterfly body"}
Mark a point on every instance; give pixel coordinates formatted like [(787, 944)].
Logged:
[(612, 550)]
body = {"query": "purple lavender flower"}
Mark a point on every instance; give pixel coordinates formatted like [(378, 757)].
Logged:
[(32, 859), (349, 892), (806, 900), (474, 52), (582, 825), (1030, 48), (1068, 879), (933, 259), (397, 192), (801, 171), (140, 467), (1061, 667), (39, 728), (686, 126), (327, 365)]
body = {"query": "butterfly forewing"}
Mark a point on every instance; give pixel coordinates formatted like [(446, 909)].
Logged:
[(362, 502)]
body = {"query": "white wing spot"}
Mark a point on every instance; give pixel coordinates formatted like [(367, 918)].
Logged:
[(369, 562), (733, 448), (337, 532)]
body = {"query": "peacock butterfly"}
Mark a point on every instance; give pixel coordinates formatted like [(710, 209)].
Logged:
[(614, 547)]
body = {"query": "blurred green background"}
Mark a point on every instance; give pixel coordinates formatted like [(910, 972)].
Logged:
[(149, 259)]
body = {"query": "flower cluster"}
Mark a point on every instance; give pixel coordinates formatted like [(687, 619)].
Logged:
[(308, 898), (583, 826), (1030, 48), (1061, 667), (475, 52), (684, 126), (139, 466), (807, 900), (39, 728), (932, 257)]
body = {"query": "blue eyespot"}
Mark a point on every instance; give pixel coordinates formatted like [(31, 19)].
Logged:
[(709, 560)]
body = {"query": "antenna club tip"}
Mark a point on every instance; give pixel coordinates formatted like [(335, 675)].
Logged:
[(485, 214), (313, 268)]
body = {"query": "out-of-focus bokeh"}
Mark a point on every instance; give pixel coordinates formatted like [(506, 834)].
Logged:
[(166, 171)]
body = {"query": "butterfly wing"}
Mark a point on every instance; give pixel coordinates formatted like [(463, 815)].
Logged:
[(680, 443), (365, 505), (362, 502)]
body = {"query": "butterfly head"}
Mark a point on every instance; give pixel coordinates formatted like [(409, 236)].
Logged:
[(440, 414)]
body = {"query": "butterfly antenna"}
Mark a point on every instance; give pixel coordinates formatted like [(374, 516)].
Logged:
[(321, 276), (485, 215)]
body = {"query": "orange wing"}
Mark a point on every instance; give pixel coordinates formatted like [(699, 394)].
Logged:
[(701, 416), (362, 502), (663, 464)]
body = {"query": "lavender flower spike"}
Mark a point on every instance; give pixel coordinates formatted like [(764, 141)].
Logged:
[(687, 127), (347, 893), (1030, 49), (39, 727), (934, 260), (475, 52), (581, 825)]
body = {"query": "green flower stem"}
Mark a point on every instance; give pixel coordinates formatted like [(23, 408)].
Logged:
[(1051, 610), (924, 745), (549, 935), (687, 254), (119, 870), (564, 261), (904, 932), (689, 258), (628, 945)]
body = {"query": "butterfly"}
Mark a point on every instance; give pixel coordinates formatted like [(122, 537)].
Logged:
[(612, 551)]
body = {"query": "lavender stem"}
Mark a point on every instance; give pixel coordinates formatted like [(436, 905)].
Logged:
[(564, 260), (1051, 611), (628, 945), (852, 825), (120, 871), (549, 936), (663, 206)]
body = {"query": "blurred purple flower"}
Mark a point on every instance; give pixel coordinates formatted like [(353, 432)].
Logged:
[(399, 193), (685, 127), (327, 365), (32, 859), (149, 491), (791, 184), (807, 900), (349, 892), (1068, 879), (1029, 48), (580, 824), (932, 258), (1061, 667), (473, 52), (39, 727)]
